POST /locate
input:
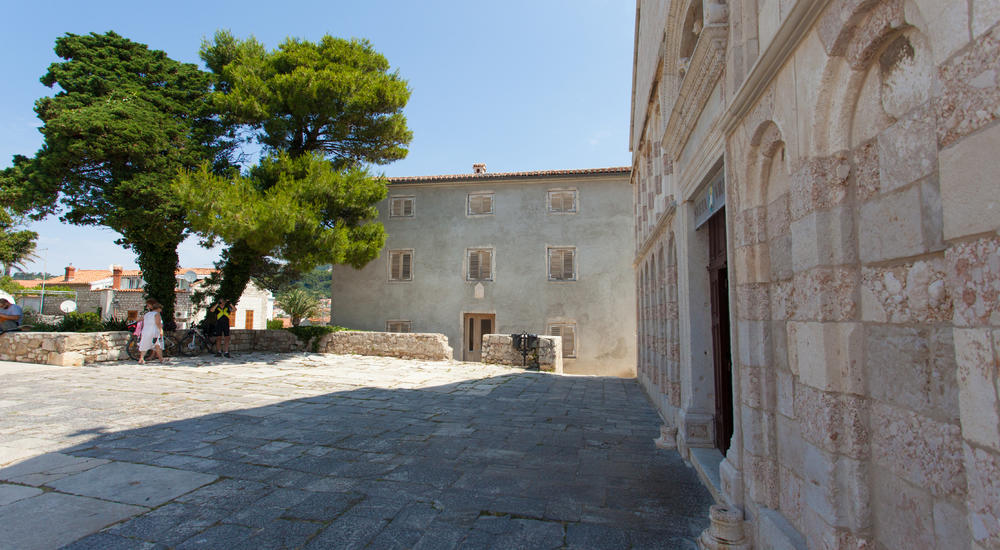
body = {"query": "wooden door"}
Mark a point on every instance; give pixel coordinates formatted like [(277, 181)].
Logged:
[(476, 325), (249, 322), (721, 350)]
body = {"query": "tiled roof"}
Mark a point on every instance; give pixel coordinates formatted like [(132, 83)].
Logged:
[(28, 283), (624, 170), (88, 276)]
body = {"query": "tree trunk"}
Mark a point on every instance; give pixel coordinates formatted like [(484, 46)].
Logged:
[(239, 261), (159, 270)]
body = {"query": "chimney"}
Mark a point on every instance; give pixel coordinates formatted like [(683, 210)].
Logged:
[(70, 273), (479, 168), (116, 277)]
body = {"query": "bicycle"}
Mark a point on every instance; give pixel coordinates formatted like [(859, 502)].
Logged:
[(196, 342), (170, 345)]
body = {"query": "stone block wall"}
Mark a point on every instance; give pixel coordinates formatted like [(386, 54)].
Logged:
[(63, 348), (406, 345), (499, 349), (863, 229)]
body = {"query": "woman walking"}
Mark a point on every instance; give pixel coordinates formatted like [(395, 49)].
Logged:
[(152, 332)]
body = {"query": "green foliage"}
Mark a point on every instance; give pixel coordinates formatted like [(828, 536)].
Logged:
[(323, 111), (310, 335), (32, 276), (125, 119), (8, 285), (298, 304), (316, 282), (16, 247), (275, 324)]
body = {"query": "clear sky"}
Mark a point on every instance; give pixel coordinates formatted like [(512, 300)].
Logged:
[(517, 84)]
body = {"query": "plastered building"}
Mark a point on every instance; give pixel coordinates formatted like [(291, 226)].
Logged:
[(543, 252), (817, 204)]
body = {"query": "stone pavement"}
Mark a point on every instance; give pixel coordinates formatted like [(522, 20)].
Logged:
[(327, 451)]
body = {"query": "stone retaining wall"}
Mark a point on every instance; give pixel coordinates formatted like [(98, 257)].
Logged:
[(499, 349), (406, 345), (79, 348)]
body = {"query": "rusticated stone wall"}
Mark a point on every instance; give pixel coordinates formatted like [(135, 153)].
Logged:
[(63, 348), (863, 225), (406, 345), (499, 350)]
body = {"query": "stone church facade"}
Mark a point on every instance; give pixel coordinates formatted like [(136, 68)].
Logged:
[(818, 263)]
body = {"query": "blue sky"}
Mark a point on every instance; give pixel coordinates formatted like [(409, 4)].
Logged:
[(518, 84)]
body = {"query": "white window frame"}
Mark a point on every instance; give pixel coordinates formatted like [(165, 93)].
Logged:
[(554, 327), (548, 263), (576, 201), (401, 252), (468, 263), (399, 323), (478, 194), (402, 199)]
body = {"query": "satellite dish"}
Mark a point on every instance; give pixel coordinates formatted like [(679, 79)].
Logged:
[(68, 306), (190, 276)]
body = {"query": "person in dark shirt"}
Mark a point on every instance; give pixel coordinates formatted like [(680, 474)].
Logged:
[(222, 311)]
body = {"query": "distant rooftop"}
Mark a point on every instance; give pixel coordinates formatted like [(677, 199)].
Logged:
[(480, 173)]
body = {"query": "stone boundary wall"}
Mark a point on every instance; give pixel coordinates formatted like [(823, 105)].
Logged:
[(498, 349), (80, 348), (405, 345)]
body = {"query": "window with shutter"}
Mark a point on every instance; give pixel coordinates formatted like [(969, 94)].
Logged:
[(480, 203), (400, 265), (480, 264), (562, 264), (401, 207), (567, 331), (562, 200), (397, 326)]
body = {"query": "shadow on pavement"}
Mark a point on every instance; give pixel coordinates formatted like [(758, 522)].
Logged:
[(525, 461)]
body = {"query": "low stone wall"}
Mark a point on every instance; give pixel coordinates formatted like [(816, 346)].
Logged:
[(63, 348), (79, 348), (499, 350), (405, 345)]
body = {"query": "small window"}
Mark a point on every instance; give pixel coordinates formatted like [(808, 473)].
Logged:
[(397, 326), (568, 333), (401, 207), (132, 315), (480, 264), (400, 265), (480, 203), (562, 264), (562, 200)]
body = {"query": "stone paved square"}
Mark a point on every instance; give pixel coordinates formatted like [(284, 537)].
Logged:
[(321, 451)]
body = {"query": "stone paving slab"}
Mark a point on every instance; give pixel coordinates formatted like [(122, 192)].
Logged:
[(51, 520), (320, 451)]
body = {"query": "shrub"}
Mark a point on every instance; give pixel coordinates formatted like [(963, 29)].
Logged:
[(81, 322), (275, 324), (310, 335)]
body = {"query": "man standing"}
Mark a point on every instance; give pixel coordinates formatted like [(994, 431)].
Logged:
[(10, 315), (223, 311)]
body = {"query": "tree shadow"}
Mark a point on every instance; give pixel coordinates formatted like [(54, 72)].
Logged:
[(515, 461)]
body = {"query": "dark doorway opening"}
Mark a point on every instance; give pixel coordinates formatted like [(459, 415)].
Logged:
[(721, 349)]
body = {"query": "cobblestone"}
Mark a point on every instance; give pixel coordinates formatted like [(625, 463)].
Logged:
[(317, 451)]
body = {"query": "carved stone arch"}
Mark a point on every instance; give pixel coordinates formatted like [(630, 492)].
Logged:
[(877, 52)]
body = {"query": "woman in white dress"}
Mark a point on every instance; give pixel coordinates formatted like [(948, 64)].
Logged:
[(152, 332)]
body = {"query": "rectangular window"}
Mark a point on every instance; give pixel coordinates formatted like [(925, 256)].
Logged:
[(480, 203), (401, 207), (400, 265), (562, 264), (568, 333), (480, 264), (562, 200), (397, 326)]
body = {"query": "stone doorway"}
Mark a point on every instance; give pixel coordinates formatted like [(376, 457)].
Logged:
[(475, 326), (721, 350)]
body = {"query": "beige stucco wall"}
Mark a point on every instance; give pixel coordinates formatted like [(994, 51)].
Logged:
[(601, 301)]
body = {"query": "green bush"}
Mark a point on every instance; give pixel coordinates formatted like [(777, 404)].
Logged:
[(275, 324), (81, 322), (310, 335)]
